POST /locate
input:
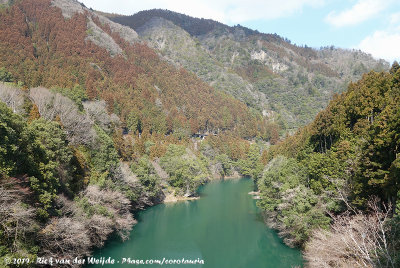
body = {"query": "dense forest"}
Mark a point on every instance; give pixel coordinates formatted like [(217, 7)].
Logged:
[(40, 47), (332, 188), (70, 178), (92, 131), (96, 123)]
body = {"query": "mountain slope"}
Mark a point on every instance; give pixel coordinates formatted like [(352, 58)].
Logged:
[(61, 43), (178, 47), (264, 70), (346, 159)]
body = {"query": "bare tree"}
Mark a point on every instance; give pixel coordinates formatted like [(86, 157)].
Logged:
[(97, 112), (78, 127), (110, 212), (356, 239), (16, 220), (117, 205), (99, 228), (43, 98), (13, 97), (65, 238)]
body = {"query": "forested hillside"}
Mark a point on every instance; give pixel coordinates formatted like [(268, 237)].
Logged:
[(333, 187), (94, 125), (39, 46), (70, 178), (289, 83)]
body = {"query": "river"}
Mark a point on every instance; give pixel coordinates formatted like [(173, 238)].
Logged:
[(224, 228)]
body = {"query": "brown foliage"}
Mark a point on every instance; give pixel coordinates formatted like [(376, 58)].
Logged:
[(229, 144), (63, 57), (34, 113), (356, 239)]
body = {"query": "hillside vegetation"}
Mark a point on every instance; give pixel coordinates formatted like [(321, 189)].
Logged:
[(40, 46), (70, 178), (289, 83), (94, 126), (333, 186)]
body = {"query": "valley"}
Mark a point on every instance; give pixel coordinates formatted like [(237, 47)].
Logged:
[(141, 136)]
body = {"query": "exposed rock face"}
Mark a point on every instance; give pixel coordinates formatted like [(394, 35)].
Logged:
[(102, 39), (95, 34), (68, 7), (128, 34), (259, 55)]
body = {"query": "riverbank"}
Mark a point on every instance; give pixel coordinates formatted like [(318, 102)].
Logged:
[(235, 175), (256, 195), (172, 198)]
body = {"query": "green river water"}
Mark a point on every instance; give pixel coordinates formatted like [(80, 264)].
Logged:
[(224, 228)]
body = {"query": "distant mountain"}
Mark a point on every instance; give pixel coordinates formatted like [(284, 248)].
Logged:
[(286, 82)]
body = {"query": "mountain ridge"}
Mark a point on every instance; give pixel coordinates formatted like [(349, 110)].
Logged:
[(255, 66)]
